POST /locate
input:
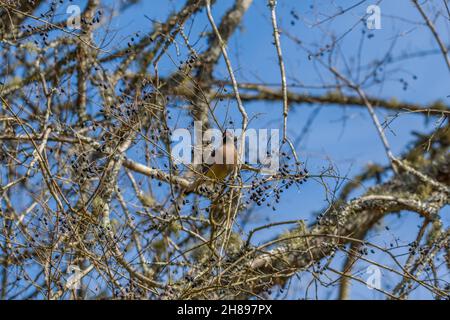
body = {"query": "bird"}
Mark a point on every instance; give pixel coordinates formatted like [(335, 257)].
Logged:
[(222, 161)]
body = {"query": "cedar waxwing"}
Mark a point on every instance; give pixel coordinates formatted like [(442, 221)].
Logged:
[(224, 159)]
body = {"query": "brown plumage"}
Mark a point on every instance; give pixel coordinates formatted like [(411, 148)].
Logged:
[(226, 156)]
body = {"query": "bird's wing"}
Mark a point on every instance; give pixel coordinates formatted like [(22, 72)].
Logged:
[(218, 171), (211, 160)]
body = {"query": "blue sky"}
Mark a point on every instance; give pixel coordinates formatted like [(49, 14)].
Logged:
[(343, 137)]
